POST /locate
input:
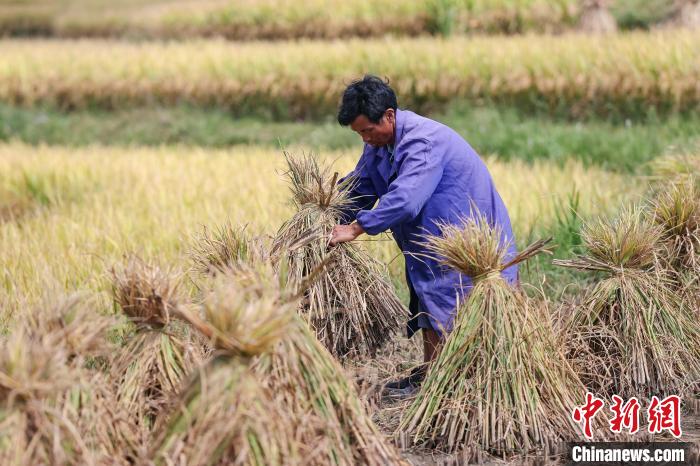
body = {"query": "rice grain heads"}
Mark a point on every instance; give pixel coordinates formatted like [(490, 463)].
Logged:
[(633, 320), (352, 306), (224, 416), (160, 353), (676, 209), (500, 384), (53, 408), (326, 418)]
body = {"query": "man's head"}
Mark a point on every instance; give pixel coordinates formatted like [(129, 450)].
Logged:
[(369, 107)]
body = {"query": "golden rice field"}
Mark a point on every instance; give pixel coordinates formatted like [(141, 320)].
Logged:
[(66, 215), (279, 19), (575, 74)]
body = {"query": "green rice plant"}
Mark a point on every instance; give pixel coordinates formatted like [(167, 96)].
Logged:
[(632, 320), (160, 355), (501, 383), (352, 306)]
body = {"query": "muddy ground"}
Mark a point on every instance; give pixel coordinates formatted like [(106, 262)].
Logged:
[(398, 357)]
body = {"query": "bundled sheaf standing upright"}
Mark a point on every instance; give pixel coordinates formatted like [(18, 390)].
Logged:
[(322, 403), (352, 306), (500, 383), (224, 416), (161, 352), (325, 414), (54, 410), (675, 208), (633, 321)]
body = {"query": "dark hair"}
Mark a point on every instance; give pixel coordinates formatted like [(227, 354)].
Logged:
[(370, 96)]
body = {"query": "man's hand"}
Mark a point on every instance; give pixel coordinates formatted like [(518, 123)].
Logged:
[(345, 233)]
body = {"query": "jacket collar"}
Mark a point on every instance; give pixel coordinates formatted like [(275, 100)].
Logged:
[(400, 124)]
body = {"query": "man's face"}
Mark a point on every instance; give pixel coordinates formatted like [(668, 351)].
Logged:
[(376, 134)]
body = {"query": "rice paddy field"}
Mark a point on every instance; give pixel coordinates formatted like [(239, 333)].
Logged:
[(574, 75), (167, 190), (285, 19)]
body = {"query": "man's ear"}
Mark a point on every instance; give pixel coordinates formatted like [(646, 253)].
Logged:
[(390, 115)]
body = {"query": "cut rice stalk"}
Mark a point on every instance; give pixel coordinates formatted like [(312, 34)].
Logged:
[(352, 306), (633, 319), (676, 209), (216, 250), (224, 416), (35, 377), (500, 383), (161, 353), (327, 414)]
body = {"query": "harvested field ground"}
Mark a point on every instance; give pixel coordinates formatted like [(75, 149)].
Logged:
[(95, 203), (399, 356)]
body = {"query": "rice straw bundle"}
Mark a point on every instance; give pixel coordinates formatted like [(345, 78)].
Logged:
[(224, 416), (676, 209), (500, 384), (57, 411), (352, 306), (326, 417), (596, 17), (215, 251), (71, 323), (322, 402), (632, 318), (158, 357), (33, 377)]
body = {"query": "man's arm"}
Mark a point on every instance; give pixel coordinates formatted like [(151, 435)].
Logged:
[(418, 176)]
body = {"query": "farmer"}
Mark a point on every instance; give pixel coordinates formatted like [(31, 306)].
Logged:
[(422, 173)]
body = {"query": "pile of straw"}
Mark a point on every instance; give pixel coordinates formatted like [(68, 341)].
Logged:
[(352, 306), (326, 417), (500, 384), (224, 416), (596, 17), (55, 410), (323, 405), (160, 353), (217, 250), (633, 321)]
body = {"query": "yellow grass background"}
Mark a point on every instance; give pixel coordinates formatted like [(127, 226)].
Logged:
[(85, 208), (661, 68)]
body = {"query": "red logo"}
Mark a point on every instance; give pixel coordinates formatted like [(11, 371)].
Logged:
[(586, 412), (626, 415), (665, 415), (661, 415)]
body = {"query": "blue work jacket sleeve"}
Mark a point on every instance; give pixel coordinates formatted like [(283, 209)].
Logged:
[(360, 191), (418, 175)]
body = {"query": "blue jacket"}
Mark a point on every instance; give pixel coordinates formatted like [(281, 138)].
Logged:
[(436, 176)]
